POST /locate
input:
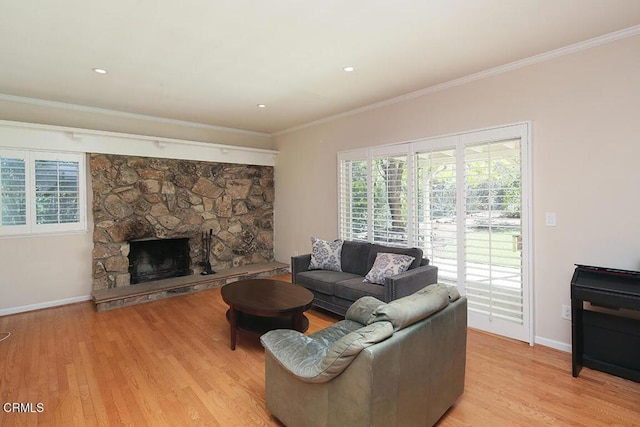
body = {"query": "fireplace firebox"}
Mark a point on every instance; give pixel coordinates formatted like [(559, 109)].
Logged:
[(158, 259)]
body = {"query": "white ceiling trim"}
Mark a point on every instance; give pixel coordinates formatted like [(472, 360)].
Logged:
[(563, 51), (106, 111), (32, 136)]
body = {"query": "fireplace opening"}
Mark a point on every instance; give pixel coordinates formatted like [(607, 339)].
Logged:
[(158, 259)]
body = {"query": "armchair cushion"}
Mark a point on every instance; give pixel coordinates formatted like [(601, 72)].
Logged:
[(312, 359), (361, 310), (408, 310), (326, 255)]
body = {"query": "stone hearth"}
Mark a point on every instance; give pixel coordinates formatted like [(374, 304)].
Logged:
[(148, 198)]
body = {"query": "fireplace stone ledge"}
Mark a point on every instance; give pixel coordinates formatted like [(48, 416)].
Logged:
[(108, 299)]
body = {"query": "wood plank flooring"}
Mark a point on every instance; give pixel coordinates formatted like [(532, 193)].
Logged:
[(168, 363)]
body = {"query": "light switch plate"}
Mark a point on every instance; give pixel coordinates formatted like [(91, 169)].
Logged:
[(550, 219)]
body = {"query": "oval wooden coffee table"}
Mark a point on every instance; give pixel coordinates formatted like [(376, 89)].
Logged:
[(260, 305)]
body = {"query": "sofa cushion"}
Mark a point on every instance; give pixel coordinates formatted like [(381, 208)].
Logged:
[(325, 255), (323, 281), (387, 265), (354, 288), (416, 253), (361, 310), (355, 257), (407, 310)]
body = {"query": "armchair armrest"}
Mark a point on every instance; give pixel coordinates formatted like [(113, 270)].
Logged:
[(313, 359), (299, 264), (409, 282)]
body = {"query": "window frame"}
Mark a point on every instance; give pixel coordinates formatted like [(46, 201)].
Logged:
[(31, 227)]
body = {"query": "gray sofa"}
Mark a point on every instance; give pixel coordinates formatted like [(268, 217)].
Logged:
[(396, 364), (335, 291)]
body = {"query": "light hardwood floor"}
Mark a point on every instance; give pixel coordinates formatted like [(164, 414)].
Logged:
[(168, 363)]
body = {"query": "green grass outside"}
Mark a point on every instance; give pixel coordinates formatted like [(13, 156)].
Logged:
[(481, 241)]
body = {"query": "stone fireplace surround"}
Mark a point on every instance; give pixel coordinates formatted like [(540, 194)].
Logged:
[(137, 198)]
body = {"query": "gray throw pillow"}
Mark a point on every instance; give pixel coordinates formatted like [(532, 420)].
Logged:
[(325, 255), (387, 265)]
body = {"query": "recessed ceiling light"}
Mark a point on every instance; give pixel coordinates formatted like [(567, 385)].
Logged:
[(348, 68), (100, 70), (262, 105)]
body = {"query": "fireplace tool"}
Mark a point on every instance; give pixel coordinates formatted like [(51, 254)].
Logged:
[(206, 250)]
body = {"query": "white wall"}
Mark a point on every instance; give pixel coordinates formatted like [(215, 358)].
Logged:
[(42, 271), (585, 110)]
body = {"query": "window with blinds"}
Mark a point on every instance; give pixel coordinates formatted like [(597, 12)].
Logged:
[(436, 210), (57, 192), (389, 200), (493, 242), (353, 200), (41, 192), (462, 199), (13, 200)]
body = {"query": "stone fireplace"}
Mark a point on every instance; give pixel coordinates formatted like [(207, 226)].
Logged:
[(139, 199)]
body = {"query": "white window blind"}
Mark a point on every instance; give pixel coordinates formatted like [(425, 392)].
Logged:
[(436, 210), (57, 192), (390, 200), (353, 200), (13, 199), (493, 248), (41, 192), (464, 200)]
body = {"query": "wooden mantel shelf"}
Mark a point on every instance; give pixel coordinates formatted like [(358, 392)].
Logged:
[(108, 299)]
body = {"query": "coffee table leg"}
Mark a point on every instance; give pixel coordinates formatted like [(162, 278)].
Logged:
[(233, 321), (298, 323)]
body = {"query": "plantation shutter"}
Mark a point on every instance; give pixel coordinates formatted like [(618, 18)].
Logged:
[(436, 211), (57, 191), (13, 187), (353, 193), (493, 242), (464, 200), (41, 192), (390, 200)]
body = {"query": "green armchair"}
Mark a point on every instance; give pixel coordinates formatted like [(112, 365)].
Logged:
[(395, 364)]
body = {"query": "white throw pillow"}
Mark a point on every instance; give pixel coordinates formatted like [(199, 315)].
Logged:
[(326, 255), (387, 265)]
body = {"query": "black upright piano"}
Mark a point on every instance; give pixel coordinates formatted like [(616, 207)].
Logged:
[(602, 340)]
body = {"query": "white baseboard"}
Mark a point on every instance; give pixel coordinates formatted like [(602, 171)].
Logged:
[(562, 346), (39, 306)]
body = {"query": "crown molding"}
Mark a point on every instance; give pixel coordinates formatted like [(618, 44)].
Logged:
[(536, 59), (108, 112), (34, 136)]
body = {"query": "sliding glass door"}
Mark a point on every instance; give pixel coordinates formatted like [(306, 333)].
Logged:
[(463, 199)]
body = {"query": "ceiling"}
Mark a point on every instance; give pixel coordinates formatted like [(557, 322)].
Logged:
[(211, 62)]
